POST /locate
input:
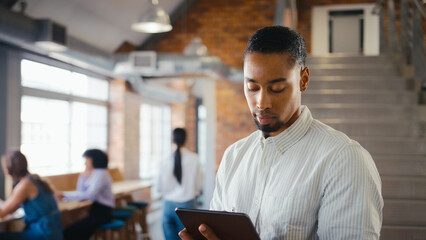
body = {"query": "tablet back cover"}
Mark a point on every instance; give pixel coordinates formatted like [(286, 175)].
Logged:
[(226, 225)]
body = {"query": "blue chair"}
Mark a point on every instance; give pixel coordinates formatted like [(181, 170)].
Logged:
[(142, 206), (127, 217), (139, 204), (106, 231)]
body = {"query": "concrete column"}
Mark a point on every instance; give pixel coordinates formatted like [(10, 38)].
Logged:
[(10, 108), (123, 145), (3, 102), (132, 135)]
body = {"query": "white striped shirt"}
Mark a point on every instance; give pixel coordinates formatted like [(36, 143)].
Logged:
[(308, 182)]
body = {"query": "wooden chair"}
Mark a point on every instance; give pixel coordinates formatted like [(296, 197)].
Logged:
[(116, 174), (63, 182)]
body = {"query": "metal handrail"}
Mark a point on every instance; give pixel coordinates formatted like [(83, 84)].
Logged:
[(420, 8), (410, 40)]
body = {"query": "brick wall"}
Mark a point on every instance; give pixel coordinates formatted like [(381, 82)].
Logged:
[(234, 120), (184, 114), (224, 27)]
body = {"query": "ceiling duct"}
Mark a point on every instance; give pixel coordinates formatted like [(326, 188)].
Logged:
[(141, 66), (158, 92), (148, 64), (21, 31), (52, 36), (8, 3)]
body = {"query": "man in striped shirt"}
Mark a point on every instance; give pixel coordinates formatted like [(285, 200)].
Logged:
[(296, 178)]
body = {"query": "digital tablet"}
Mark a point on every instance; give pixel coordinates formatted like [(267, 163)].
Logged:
[(226, 225)]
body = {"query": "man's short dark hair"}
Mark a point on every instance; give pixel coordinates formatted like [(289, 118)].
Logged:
[(99, 158), (278, 39)]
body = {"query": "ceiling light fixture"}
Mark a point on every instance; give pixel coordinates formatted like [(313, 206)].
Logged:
[(156, 20), (195, 48)]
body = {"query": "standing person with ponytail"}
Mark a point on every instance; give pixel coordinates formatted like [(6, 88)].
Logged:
[(35, 196), (179, 180)]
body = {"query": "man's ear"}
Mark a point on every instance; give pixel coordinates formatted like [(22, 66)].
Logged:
[(304, 79)]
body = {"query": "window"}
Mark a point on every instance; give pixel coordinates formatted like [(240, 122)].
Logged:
[(41, 76), (155, 137), (63, 113)]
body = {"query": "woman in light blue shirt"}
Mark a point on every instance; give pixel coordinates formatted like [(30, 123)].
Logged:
[(93, 184)]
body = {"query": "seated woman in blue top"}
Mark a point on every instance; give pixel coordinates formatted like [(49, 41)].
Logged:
[(42, 217), (93, 184)]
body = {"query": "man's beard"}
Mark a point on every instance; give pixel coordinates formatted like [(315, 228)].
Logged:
[(267, 129)]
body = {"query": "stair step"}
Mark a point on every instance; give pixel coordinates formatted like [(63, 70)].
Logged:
[(378, 128), (311, 60), (360, 97), (401, 165), (403, 233), (366, 98), (394, 145), (354, 70), (413, 188), (357, 83), (404, 212), (356, 77), (364, 111)]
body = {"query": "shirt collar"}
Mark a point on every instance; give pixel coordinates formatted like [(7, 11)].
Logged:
[(291, 135)]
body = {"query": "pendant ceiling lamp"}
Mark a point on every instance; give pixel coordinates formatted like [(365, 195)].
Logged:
[(155, 20)]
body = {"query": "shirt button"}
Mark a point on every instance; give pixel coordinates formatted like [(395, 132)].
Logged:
[(256, 201)]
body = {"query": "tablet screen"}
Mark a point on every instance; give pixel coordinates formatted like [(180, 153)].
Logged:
[(226, 225)]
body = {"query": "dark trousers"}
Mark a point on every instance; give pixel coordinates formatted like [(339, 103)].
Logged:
[(82, 230)]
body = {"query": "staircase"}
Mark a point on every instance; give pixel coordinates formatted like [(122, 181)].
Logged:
[(366, 98)]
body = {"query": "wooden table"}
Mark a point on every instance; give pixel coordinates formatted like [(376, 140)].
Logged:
[(73, 205), (73, 210), (129, 186), (123, 190), (17, 215)]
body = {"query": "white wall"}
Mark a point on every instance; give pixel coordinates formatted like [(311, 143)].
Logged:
[(205, 88), (320, 28)]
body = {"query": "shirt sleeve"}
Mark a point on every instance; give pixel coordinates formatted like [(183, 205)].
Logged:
[(90, 192), (352, 203)]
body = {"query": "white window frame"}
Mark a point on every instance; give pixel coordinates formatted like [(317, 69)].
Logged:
[(40, 93), (161, 104)]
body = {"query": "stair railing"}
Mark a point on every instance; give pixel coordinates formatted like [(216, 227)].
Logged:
[(410, 41)]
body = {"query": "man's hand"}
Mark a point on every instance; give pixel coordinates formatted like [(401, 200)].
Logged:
[(206, 231)]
